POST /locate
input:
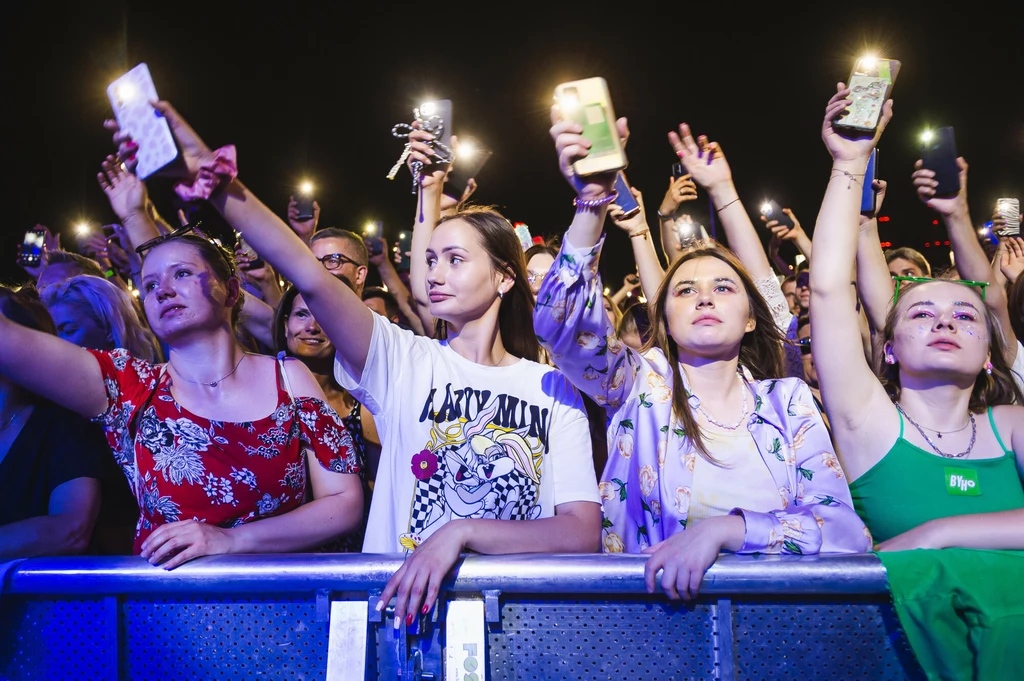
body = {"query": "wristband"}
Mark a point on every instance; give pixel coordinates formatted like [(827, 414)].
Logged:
[(213, 174), (595, 203)]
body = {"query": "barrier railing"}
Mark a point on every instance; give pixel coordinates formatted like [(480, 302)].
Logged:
[(500, 617)]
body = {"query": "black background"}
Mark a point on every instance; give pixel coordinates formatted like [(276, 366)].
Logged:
[(313, 90)]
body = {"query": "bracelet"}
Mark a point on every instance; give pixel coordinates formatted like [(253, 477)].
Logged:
[(641, 232), (595, 203), (666, 217), (848, 174), (719, 210)]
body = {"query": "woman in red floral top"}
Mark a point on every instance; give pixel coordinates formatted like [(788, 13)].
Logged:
[(217, 438)]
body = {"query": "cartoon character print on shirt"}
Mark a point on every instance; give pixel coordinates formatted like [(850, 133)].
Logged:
[(474, 469)]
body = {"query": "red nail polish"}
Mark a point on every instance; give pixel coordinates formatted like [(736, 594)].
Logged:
[(132, 157), (426, 609), (408, 620)]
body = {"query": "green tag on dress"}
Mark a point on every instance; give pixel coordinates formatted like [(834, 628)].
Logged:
[(962, 482)]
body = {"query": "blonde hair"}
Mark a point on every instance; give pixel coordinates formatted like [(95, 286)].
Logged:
[(112, 309)]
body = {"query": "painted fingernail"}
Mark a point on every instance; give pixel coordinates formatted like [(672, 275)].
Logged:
[(380, 606), (700, 153), (398, 621), (408, 619), (426, 609), (710, 157)]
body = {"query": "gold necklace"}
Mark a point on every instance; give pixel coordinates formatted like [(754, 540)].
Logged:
[(214, 383)]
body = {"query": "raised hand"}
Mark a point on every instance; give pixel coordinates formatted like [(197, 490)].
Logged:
[(51, 243), (846, 148), (925, 184), (704, 161), (879, 187), (781, 232), (434, 171), (571, 146), (1011, 259), (125, 192), (304, 228), (680, 190), (633, 224)]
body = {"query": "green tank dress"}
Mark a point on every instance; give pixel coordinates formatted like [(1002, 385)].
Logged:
[(961, 609)]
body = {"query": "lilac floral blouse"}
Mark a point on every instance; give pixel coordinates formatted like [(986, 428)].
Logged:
[(646, 485)]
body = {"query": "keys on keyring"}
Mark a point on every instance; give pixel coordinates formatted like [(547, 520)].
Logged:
[(435, 126)]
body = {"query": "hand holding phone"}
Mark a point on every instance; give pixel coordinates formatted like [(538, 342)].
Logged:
[(588, 104), (33, 247), (870, 85), (131, 98), (938, 154), (771, 212), (681, 188), (375, 245), (1009, 211)]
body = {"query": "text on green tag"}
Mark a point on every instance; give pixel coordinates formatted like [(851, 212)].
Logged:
[(962, 482)]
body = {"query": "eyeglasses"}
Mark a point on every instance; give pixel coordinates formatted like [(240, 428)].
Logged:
[(536, 277), (803, 280), (334, 261), (190, 228), (921, 280), (805, 345)]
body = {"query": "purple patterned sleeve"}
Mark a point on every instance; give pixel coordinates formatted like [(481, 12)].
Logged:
[(572, 325), (818, 515)]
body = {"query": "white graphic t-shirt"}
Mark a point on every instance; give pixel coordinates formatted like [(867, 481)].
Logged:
[(464, 440)]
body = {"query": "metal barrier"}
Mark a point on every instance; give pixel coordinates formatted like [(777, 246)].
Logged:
[(500, 618)]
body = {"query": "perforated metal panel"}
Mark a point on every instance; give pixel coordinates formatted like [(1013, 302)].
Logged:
[(44, 640), (205, 639), (837, 641), (558, 640)]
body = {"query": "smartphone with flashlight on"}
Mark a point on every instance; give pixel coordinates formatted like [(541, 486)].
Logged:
[(771, 211), (624, 198), (1009, 210), (131, 98), (589, 104), (31, 253), (870, 85), (938, 154), (688, 231), (867, 193), (437, 120), (404, 247), (304, 202), (469, 161)]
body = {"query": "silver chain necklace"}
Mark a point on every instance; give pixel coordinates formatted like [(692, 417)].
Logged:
[(961, 455), (213, 384), (727, 426)]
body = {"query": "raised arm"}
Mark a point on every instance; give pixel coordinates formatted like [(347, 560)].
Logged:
[(795, 235), (52, 368), (873, 280), (128, 199), (428, 212), (971, 261), (647, 263), (680, 191), (389, 275), (848, 386), (706, 163)]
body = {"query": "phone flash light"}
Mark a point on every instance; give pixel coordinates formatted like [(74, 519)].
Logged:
[(126, 91), (401, 235), (370, 228), (82, 228), (1002, 205), (569, 102), (466, 150), (868, 62), (766, 209), (306, 188), (428, 108), (927, 136)]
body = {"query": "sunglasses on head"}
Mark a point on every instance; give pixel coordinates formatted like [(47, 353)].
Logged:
[(190, 228), (909, 281)]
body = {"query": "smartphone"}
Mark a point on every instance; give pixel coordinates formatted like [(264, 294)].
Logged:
[(130, 97), (523, 233), (374, 245), (437, 120), (31, 253), (405, 249), (304, 202), (688, 231), (677, 171), (771, 211), (625, 199), (466, 166), (870, 85), (255, 261), (867, 193), (1009, 209), (938, 154), (588, 103)]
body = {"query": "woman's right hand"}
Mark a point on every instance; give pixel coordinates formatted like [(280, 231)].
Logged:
[(194, 151), (125, 191), (434, 171), (631, 224), (845, 148), (680, 190), (571, 146)]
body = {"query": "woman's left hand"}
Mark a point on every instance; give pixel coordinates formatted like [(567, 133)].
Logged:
[(631, 224), (182, 541), (687, 555), (925, 536), (419, 579)]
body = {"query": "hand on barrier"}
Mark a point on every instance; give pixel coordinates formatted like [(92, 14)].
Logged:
[(182, 541), (417, 583), (687, 555)]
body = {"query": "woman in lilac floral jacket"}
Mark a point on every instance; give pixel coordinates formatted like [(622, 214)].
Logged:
[(709, 449)]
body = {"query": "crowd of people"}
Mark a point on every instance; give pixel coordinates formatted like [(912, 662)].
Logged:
[(495, 400)]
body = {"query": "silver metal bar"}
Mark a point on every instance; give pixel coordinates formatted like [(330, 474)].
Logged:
[(836, 575)]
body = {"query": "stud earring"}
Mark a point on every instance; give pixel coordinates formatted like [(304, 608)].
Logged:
[(988, 368), (889, 359)]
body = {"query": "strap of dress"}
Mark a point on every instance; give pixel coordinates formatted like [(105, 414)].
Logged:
[(284, 375), (992, 421)]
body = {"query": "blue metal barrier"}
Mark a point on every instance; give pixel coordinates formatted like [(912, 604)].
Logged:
[(500, 618)]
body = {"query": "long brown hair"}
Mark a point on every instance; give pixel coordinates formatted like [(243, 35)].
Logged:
[(989, 390), (760, 349), (515, 315)]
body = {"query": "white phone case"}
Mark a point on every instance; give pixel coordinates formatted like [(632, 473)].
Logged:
[(130, 97)]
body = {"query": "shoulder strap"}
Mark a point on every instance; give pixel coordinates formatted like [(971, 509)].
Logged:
[(995, 430), (901, 423), (284, 374)]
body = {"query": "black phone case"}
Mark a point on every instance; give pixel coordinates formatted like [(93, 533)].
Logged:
[(677, 171), (777, 214), (305, 204), (939, 156)]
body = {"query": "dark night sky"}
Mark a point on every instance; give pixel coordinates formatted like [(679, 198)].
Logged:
[(316, 90)]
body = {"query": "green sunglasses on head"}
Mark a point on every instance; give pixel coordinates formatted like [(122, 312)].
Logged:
[(921, 280)]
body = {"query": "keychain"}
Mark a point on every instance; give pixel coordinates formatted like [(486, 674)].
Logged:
[(432, 124)]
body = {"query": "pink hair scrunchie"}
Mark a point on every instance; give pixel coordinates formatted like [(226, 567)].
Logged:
[(221, 170)]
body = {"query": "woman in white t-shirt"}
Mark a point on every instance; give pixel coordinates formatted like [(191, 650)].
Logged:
[(476, 436)]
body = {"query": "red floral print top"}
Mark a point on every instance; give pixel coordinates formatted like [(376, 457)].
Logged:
[(186, 467)]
